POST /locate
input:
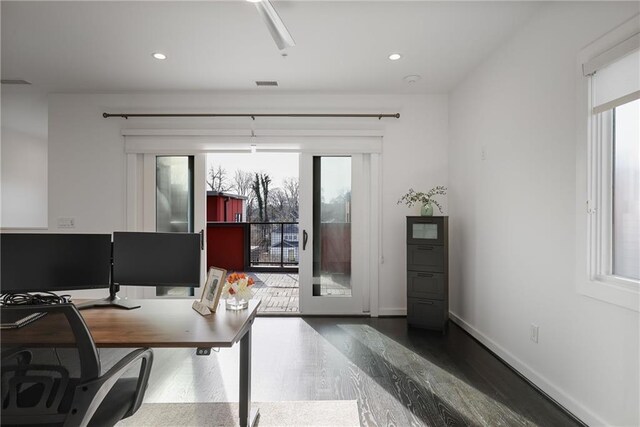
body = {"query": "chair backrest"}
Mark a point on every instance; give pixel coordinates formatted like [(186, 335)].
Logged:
[(43, 362)]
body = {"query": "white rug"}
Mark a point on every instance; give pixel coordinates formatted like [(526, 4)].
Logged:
[(316, 413)]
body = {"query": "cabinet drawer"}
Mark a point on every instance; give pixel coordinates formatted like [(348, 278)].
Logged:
[(425, 258), (425, 230), (425, 313), (425, 285)]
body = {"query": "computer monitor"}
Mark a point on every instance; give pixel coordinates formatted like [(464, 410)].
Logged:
[(156, 259), (54, 262)]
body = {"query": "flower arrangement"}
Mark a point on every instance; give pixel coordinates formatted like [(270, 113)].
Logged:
[(238, 286), (425, 199)]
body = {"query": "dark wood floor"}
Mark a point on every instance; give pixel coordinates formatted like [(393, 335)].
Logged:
[(400, 377)]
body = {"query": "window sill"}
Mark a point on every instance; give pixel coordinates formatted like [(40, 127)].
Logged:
[(613, 290)]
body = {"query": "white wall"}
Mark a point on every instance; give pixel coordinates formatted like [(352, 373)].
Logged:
[(87, 161), (513, 214), (23, 150)]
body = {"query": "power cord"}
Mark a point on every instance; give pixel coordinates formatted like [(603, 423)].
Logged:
[(45, 298)]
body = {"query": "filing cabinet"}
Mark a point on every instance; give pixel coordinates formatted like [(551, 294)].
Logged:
[(427, 272)]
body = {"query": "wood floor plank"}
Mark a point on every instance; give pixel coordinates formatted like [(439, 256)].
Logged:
[(399, 376)]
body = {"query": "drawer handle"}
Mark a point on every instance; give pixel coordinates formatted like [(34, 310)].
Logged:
[(427, 302), (425, 275), (425, 248)]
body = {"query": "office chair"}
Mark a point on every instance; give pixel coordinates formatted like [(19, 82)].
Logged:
[(51, 373)]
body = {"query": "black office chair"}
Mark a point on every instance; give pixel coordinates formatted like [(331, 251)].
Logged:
[(51, 373)]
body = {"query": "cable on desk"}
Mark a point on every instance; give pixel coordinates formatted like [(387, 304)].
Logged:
[(45, 298)]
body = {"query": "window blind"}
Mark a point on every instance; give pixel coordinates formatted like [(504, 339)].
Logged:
[(616, 75)]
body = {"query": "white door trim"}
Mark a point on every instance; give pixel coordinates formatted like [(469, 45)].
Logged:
[(141, 178), (302, 143)]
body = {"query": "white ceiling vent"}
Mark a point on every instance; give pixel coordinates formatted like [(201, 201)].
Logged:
[(266, 83), (15, 82)]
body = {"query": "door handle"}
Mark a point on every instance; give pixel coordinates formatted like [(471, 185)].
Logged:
[(305, 238), (201, 240)]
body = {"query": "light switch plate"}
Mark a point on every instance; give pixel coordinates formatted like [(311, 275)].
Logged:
[(533, 333)]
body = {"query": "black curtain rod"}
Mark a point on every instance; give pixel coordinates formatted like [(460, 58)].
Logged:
[(253, 116)]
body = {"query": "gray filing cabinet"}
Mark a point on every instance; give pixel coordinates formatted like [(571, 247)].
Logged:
[(427, 272)]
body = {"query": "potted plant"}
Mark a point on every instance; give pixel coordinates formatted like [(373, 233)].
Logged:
[(426, 200)]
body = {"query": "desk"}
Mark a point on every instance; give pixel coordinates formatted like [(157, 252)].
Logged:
[(173, 323)]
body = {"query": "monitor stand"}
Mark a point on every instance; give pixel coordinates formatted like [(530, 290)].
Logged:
[(112, 301)]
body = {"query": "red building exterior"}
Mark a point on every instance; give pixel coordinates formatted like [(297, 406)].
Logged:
[(223, 207), (225, 242)]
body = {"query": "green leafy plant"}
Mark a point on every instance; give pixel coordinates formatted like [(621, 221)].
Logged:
[(413, 197)]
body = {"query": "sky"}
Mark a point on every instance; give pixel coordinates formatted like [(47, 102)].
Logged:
[(278, 165), (336, 171)]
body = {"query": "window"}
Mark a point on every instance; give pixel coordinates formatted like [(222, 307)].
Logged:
[(626, 191), (613, 173)]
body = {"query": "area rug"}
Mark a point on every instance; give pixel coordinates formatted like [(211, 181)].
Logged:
[(316, 413)]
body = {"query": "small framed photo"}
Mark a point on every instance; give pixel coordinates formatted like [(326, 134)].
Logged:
[(213, 288)]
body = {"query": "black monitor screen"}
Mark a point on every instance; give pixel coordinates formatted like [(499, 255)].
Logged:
[(54, 262), (156, 259)]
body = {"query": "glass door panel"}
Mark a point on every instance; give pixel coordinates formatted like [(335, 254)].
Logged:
[(332, 226), (174, 205), (333, 229)]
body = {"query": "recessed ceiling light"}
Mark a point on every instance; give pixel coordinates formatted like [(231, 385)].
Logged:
[(254, 1), (158, 55), (395, 56)]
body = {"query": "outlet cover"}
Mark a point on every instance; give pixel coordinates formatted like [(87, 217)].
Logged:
[(67, 222)]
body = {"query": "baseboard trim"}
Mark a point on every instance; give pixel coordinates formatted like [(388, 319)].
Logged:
[(538, 381), (386, 312)]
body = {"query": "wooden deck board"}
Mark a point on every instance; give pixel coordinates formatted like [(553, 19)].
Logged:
[(278, 291)]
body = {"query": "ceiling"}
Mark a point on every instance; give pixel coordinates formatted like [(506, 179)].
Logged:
[(342, 46)]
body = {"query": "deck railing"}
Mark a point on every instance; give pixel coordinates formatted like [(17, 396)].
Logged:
[(273, 244), (253, 246)]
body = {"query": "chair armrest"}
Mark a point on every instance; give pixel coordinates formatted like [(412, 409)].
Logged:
[(90, 395), (143, 380), (23, 355)]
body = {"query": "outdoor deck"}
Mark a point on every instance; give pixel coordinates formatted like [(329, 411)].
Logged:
[(278, 291)]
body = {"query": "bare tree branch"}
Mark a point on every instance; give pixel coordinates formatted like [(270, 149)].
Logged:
[(218, 179)]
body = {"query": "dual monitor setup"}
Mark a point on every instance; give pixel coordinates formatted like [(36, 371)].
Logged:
[(69, 262)]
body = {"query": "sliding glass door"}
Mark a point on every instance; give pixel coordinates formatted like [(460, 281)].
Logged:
[(174, 203), (333, 221)]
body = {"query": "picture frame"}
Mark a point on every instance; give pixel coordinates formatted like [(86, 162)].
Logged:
[(213, 288)]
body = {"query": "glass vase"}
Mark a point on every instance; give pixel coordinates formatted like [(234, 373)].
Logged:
[(427, 210), (235, 303)]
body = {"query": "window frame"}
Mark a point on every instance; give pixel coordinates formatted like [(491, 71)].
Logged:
[(594, 179), (600, 200)]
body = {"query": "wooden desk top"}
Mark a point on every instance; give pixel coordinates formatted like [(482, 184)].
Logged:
[(167, 323)]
